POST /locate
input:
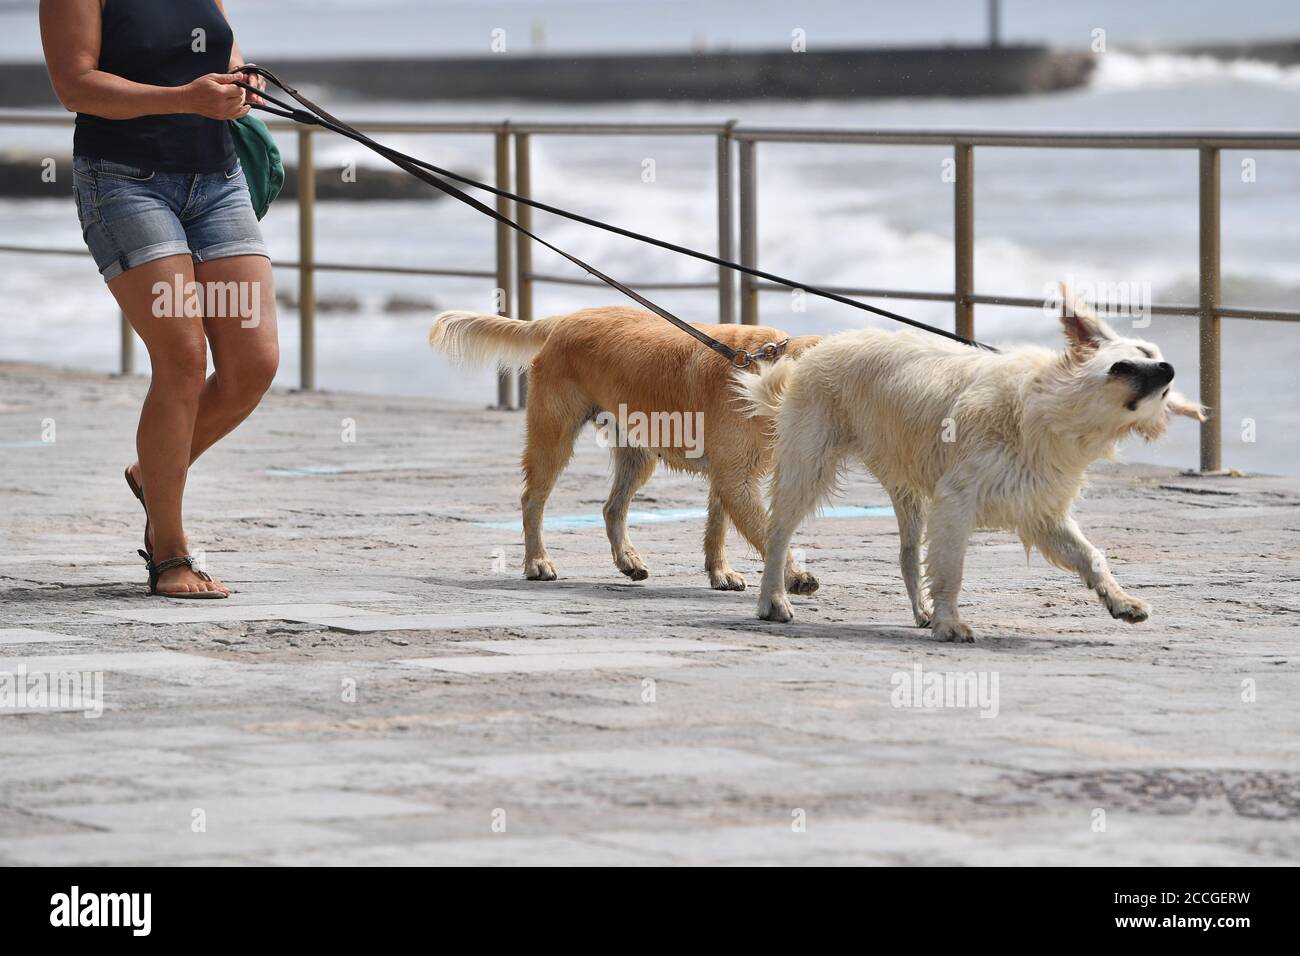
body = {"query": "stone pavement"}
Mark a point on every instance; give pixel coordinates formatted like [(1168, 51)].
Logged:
[(385, 688)]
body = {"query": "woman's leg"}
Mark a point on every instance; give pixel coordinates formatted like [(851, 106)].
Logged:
[(178, 356), (245, 345), (245, 348)]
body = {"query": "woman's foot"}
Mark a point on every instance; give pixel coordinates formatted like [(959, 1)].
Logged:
[(186, 579)]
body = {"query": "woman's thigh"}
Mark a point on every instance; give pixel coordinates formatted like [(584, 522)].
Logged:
[(160, 300)]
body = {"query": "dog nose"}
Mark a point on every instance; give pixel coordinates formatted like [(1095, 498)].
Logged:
[(1164, 373)]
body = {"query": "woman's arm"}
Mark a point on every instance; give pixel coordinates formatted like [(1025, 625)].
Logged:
[(70, 32)]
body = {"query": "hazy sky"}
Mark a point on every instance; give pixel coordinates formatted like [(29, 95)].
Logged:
[(309, 27)]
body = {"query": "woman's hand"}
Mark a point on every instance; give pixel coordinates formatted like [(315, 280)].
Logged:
[(216, 96), (252, 79)]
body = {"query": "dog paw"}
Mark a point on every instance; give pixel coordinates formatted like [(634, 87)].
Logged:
[(801, 582), (776, 610), (954, 632), (1129, 609), (924, 616), (630, 563), (726, 580), (539, 569)]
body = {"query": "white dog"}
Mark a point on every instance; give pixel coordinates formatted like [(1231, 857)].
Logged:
[(960, 438)]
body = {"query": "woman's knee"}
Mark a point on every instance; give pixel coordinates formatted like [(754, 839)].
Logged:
[(253, 374), (181, 373)]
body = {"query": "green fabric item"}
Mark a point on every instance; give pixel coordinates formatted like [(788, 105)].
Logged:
[(260, 158)]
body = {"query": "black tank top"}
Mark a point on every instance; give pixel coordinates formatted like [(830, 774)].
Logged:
[(161, 43)]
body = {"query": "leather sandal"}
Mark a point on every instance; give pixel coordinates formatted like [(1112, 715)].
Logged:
[(160, 568), (138, 491)]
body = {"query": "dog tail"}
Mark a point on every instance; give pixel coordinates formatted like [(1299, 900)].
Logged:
[(760, 392), (474, 338)]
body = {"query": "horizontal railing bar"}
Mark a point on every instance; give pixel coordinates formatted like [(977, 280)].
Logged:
[(1028, 302), (621, 129), (565, 280), (392, 270), (865, 293), (44, 251), (35, 118), (1263, 315), (401, 126), (323, 266), (1166, 139), (1227, 312), (49, 118), (1262, 139)]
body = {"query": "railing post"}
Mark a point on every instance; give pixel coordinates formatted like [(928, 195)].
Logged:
[(964, 239), (306, 261), (726, 279), (505, 378), (1211, 386), (127, 360), (748, 230), (523, 246)]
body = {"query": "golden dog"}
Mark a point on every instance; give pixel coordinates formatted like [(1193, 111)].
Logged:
[(647, 383)]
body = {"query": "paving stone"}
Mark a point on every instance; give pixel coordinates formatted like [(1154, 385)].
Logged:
[(252, 780), (164, 664), (304, 752), (20, 635), (586, 645), (632, 762), (91, 848), (184, 737), (778, 842), (365, 623), (547, 663), (17, 742), (498, 850), (119, 763), (182, 611), (228, 812), (331, 598)]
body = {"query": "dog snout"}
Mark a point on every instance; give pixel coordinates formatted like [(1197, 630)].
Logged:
[(1163, 374)]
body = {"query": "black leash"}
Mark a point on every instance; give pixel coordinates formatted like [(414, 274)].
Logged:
[(422, 170)]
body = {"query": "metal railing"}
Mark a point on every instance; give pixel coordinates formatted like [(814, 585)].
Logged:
[(515, 278)]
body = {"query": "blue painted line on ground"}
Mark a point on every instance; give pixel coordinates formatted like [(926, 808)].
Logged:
[(296, 472), (25, 444), (560, 522)]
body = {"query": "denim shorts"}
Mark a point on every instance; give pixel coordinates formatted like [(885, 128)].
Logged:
[(130, 216)]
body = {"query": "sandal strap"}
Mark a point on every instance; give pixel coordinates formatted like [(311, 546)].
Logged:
[(162, 567)]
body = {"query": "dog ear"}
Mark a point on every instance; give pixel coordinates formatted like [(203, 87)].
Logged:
[(1178, 405), (1084, 331)]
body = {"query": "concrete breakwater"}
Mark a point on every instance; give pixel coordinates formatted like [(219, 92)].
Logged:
[(1281, 52), (832, 74), (21, 177), (698, 76)]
